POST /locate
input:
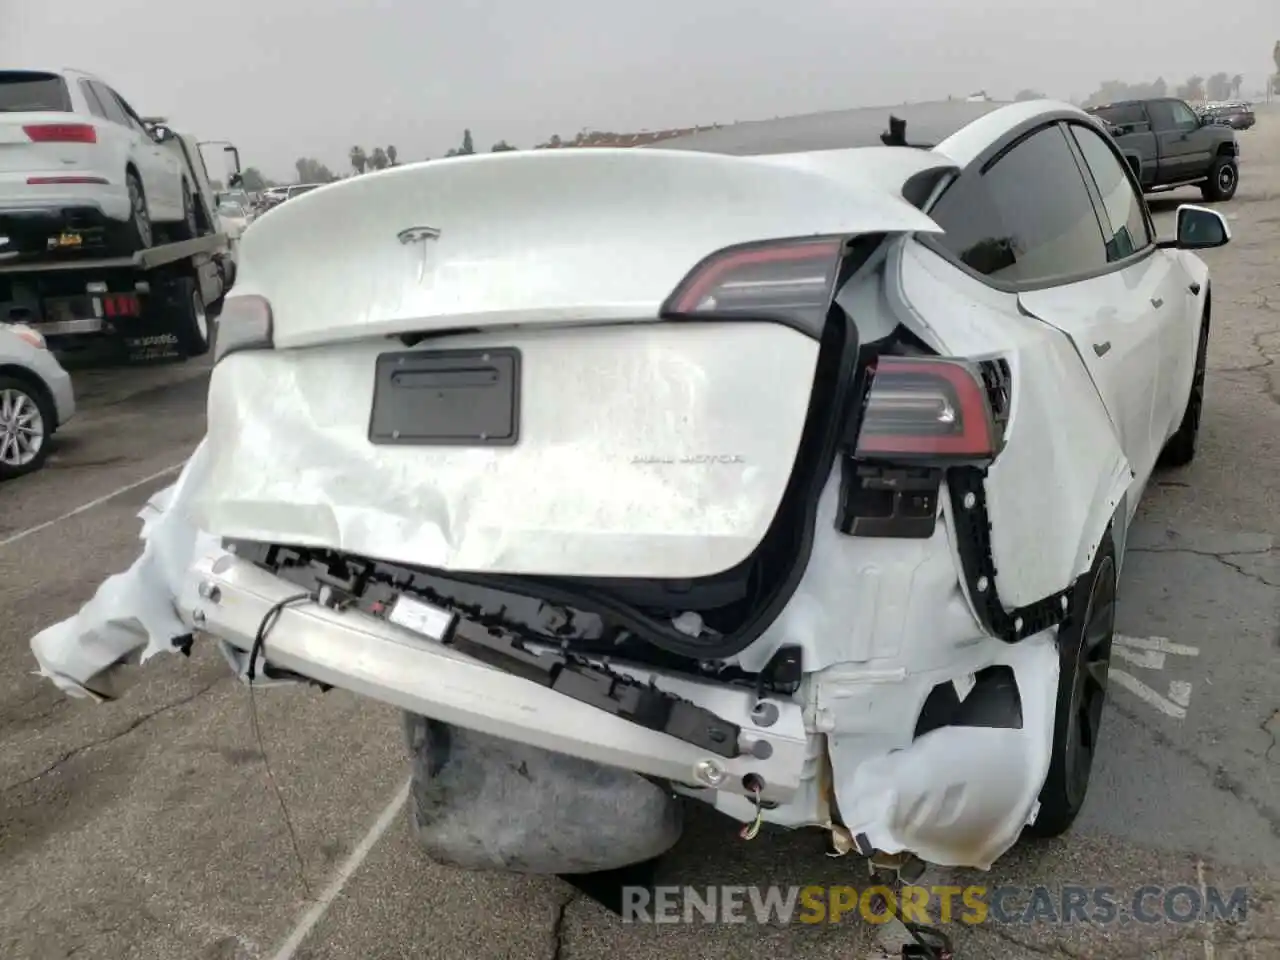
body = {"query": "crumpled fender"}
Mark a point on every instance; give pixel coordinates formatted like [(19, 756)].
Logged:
[(1062, 474), (133, 614)]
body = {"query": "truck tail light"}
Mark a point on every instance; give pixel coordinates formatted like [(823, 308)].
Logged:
[(121, 305), (788, 280), (927, 411), (61, 133)]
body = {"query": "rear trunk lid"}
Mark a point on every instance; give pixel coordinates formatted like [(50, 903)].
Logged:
[(30, 101), (618, 445), (555, 236)]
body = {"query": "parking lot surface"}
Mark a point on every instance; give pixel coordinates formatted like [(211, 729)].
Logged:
[(148, 828)]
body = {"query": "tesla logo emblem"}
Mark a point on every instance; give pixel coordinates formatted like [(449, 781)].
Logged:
[(420, 236)]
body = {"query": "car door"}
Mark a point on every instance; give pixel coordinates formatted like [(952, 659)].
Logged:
[(1185, 144), (1044, 240), (132, 148), (1131, 238), (155, 164)]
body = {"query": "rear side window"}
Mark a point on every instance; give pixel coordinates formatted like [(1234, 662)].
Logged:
[(1127, 223), (115, 112), (25, 92), (1125, 113), (1027, 219), (91, 98)]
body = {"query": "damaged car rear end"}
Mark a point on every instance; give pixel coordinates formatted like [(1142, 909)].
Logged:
[(643, 473)]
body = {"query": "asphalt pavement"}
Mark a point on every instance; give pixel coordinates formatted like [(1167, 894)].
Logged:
[(149, 828)]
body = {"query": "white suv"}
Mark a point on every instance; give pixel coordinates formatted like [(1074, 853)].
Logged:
[(74, 156)]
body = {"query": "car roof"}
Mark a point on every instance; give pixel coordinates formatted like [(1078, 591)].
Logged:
[(927, 124)]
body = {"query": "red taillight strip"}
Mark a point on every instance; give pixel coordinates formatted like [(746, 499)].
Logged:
[(704, 278), (120, 305), (976, 437), (61, 132)]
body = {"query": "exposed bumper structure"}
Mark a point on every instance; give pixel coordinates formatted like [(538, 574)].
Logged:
[(373, 658), (956, 795)]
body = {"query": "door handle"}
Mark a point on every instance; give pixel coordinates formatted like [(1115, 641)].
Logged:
[(1195, 288), (1157, 302), (1101, 348)]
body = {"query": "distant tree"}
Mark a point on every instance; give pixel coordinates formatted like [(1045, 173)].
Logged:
[(359, 160), (1236, 83), (468, 147), (312, 171), (1030, 95), (378, 159), (252, 180), (1275, 55), (1193, 89), (1159, 88), (501, 147), (1218, 87), (391, 155)]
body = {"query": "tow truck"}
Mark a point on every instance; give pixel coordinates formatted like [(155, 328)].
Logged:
[(159, 303)]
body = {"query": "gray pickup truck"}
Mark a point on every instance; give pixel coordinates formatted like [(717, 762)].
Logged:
[(1169, 145)]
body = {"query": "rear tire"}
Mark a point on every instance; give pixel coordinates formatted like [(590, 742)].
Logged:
[(187, 316), (1084, 652), (138, 233), (27, 421), (1224, 177)]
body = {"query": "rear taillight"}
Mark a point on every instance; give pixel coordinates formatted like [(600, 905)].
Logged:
[(61, 133), (927, 411), (787, 280), (920, 417)]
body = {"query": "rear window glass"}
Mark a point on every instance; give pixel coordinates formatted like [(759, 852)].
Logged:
[(1122, 114), (22, 92)]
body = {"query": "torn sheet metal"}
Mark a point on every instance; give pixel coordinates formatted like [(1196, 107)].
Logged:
[(132, 614), (1077, 470), (957, 796)]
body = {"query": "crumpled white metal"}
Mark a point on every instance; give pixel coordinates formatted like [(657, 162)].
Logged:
[(132, 614)]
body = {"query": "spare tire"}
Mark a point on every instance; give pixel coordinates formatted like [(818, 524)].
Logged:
[(482, 803)]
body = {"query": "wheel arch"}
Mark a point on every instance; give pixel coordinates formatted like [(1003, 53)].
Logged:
[(36, 383)]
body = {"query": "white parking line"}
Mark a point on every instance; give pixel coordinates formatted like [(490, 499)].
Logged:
[(321, 906), (22, 534)]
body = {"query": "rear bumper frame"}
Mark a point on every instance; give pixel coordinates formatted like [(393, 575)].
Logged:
[(229, 597)]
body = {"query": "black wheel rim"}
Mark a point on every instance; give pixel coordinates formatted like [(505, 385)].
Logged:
[(1089, 683), (1226, 177), (140, 218)]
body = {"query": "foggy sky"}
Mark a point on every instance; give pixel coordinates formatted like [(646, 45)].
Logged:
[(287, 78)]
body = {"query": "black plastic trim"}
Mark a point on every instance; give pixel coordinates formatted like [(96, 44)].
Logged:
[(967, 491)]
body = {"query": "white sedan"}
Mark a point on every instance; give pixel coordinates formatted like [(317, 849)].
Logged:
[(75, 157), (786, 468), (232, 219)]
